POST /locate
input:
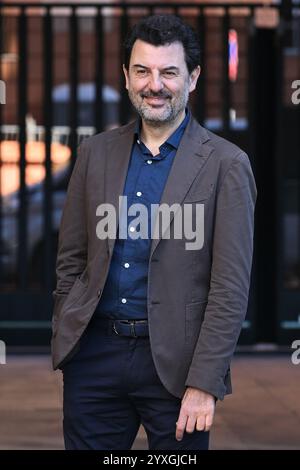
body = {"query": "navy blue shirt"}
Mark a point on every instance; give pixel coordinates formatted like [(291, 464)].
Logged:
[(125, 291)]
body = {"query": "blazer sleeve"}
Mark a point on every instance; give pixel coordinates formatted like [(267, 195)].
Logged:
[(230, 278), (72, 240)]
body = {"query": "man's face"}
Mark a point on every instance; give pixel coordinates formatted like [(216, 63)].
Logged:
[(158, 81)]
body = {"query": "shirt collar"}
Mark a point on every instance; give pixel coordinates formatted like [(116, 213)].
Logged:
[(174, 139)]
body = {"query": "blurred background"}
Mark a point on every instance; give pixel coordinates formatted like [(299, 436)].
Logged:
[(61, 81)]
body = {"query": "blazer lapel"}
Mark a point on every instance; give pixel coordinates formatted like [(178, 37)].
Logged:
[(117, 161), (191, 155)]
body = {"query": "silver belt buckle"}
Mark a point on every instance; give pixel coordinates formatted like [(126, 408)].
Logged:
[(114, 328)]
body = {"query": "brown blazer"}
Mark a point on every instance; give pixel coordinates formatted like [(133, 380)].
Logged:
[(197, 299)]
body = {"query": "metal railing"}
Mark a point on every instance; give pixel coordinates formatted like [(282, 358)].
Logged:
[(107, 25)]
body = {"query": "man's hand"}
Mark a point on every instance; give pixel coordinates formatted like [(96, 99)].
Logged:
[(197, 411)]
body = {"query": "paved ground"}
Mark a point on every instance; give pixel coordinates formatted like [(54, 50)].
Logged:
[(263, 413)]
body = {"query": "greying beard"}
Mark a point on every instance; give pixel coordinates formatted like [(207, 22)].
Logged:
[(168, 117), (170, 114)]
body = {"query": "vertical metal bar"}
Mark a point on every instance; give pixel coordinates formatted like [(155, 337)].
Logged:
[(283, 298), (22, 256), (265, 151), (201, 86), (74, 65), (48, 116), (1, 229), (125, 103), (251, 113), (298, 199), (99, 72), (287, 16), (280, 203), (287, 41), (298, 183), (151, 10), (226, 84), (251, 86)]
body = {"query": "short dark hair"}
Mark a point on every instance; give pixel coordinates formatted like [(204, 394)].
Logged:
[(160, 30)]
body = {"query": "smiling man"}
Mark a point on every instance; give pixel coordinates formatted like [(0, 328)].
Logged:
[(144, 329), (158, 83)]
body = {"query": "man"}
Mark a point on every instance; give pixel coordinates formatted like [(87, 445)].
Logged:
[(144, 327)]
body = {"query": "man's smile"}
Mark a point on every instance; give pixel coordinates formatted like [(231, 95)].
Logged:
[(155, 100)]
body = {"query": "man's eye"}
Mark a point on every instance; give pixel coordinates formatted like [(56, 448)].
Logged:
[(141, 72)]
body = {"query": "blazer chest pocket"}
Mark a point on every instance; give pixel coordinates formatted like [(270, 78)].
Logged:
[(199, 194), (194, 315)]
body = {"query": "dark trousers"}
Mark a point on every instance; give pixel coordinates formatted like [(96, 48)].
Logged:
[(110, 388)]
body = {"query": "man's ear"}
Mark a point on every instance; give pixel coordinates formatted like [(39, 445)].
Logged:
[(126, 76), (194, 78)]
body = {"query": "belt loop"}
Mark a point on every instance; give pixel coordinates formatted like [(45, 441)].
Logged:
[(133, 332)]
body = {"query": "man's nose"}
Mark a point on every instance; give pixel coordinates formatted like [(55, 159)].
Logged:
[(155, 83)]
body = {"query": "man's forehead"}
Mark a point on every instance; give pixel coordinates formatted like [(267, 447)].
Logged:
[(168, 55)]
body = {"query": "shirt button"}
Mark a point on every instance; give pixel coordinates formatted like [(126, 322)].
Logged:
[(138, 141), (149, 162), (126, 265), (139, 193), (131, 229), (124, 301)]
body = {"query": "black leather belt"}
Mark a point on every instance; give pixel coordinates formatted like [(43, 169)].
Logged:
[(131, 328)]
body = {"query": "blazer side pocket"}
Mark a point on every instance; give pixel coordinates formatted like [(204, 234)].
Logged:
[(75, 293)]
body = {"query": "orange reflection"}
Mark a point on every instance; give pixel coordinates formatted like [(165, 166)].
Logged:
[(35, 159)]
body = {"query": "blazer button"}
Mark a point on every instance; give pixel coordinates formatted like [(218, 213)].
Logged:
[(99, 293)]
